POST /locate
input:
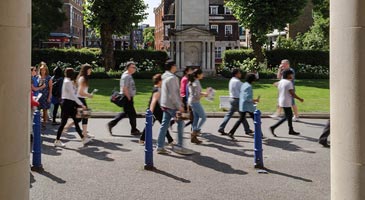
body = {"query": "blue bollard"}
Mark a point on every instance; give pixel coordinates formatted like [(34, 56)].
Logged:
[(148, 159), (259, 162), (37, 144)]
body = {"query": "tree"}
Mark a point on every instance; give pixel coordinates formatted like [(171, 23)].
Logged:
[(263, 16), (47, 16), (149, 37), (110, 17)]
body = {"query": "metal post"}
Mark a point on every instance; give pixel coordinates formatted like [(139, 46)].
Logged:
[(259, 162), (148, 159), (37, 144)]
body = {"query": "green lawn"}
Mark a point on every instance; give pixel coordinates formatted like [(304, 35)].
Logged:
[(315, 94)]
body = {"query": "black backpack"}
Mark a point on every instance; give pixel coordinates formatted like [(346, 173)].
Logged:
[(57, 86)]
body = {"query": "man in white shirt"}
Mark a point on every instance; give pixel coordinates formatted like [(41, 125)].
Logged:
[(234, 93), (286, 95)]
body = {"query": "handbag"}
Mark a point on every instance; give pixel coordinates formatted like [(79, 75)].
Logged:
[(118, 99)]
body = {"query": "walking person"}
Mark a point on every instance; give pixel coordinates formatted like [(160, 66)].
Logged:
[(69, 107), (128, 89), (286, 95), (285, 65), (45, 100), (195, 94), (184, 90), (34, 82), (155, 107), (234, 93), (246, 106), (57, 81), (171, 105), (323, 139), (83, 93)]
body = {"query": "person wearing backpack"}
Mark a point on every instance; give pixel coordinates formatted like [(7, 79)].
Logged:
[(57, 81)]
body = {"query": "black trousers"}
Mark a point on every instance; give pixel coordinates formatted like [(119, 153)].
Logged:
[(325, 133), (158, 116), (130, 112), (84, 120), (55, 110), (244, 122), (68, 110), (288, 116)]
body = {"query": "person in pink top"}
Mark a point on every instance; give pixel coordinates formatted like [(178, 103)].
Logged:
[(184, 91)]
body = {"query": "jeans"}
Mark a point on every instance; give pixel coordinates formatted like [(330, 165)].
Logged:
[(166, 118), (232, 110), (288, 116), (129, 111), (244, 122), (158, 116), (198, 112)]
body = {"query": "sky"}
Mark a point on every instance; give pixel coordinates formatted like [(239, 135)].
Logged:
[(151, 16)]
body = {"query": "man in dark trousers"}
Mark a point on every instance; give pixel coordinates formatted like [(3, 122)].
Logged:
[(128, 89), (326, 132)]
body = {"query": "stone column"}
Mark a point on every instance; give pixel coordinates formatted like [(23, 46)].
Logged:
[(347, 99), (15, 52), (204, 53), (209, 55), (178, 53), (182, 53)]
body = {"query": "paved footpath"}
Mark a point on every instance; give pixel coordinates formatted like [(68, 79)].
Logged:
[(111, 167)]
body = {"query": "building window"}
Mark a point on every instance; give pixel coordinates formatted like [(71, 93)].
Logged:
[(214, 10), (167, 28), (227, 11), (218, 52), (228, 30), (214, 28)]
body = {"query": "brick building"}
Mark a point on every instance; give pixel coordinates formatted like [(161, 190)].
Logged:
[(71, 33)]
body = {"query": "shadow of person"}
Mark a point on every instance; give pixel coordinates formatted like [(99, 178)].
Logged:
[(32, 180), (285, 145), (107, 145), (50, 176), (226, 141), (171, 176), (211, 163), (288, 175), (238, 152), (93, 152), (311, 123)]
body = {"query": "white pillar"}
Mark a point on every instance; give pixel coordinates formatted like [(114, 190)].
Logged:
[(347, 58), (15, 48), (204, 53)]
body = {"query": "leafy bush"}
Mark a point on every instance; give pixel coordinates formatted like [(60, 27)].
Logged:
[(229, 56), (146, 60)]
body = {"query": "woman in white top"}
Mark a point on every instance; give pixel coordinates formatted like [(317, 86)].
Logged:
[(69, 107), (82, 93)]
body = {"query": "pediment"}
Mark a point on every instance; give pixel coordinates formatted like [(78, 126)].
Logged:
[(193, 31)]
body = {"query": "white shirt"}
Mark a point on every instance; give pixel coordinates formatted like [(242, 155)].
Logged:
[(69, 91), (234, 87), (285, 98)]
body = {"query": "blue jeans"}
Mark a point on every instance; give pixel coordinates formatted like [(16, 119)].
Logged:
[(232, 110), (198, 112), (166, 118)]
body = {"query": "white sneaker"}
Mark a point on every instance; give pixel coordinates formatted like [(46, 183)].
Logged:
[(274, 116), (295, 119), (58, 143), (182, 150), (162, 151), (86, 140)]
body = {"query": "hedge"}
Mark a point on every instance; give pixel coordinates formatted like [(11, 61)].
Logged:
[(77, 56), (308, 57), (229, 56)]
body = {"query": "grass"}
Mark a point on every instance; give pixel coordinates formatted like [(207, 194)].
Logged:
[(315, 94)]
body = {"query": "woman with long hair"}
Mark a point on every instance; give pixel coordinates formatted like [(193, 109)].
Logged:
[(57, 80), (45, 100), (195, 93), (83, 92), (69, 107), (34, 81)]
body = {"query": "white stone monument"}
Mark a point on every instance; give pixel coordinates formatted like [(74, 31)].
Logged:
[(192, 44)]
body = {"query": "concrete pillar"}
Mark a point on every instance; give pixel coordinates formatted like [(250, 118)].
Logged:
[(204, 65), (178, 54), (209, 59), (347, 99), (15, 56), (182, 53)]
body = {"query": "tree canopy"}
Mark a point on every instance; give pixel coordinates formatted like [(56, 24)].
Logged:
[(47, 16), (110, 17), (263, 16), (149, 37)]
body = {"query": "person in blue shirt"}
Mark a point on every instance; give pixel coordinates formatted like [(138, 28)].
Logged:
[(246, 105)]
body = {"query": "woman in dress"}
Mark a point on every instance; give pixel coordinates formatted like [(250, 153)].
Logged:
[(45, 100)]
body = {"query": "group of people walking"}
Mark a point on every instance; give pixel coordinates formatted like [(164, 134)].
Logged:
[(70, 91), (171, 99)]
